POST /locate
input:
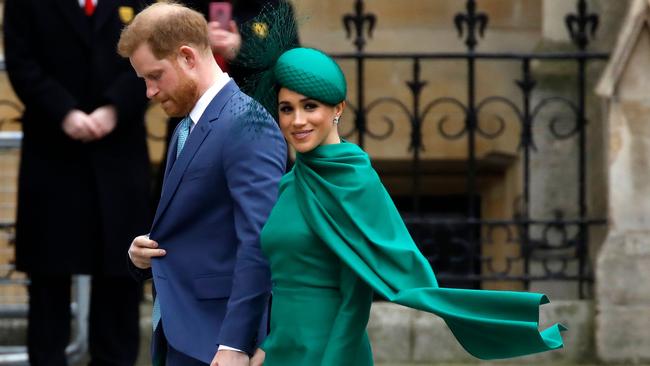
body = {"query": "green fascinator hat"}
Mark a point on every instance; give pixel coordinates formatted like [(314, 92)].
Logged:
[(312, 73)]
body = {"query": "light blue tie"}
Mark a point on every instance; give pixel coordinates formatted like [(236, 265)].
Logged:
[(155, 314), (183, 133)]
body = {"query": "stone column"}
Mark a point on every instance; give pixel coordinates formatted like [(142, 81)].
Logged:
[(623, 264)]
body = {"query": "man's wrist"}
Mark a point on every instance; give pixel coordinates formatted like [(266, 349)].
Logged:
[(228, 348)]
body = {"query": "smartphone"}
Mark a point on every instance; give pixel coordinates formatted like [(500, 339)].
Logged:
[(221, 11)]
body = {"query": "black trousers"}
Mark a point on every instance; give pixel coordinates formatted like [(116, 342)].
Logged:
[(113, 321)]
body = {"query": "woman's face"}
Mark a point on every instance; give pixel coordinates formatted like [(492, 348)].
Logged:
[(307, 123)]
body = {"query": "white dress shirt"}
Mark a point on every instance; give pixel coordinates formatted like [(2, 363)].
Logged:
[(82, 3), (206, 98)]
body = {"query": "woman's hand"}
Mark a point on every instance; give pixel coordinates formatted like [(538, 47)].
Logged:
[(258, 358)]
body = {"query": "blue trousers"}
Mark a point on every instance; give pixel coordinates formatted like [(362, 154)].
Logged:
[(175, 358), (163, 350)]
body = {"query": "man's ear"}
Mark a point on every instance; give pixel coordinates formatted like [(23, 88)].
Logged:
[(187, 56)]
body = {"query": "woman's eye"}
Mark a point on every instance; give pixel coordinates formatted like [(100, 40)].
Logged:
[(310, 106), (285, 109)]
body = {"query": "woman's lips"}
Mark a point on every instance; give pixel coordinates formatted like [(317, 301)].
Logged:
[(301, 135)]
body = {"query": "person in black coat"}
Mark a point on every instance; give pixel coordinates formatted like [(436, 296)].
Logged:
[(84, 171)]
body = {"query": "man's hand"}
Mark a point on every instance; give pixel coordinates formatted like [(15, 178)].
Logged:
[(79, 126), (224, 42), (226, 357), (258, 358), (142, 250), (104, 120)]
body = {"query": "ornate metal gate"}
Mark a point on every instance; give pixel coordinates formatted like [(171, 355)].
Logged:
[(458, 259)]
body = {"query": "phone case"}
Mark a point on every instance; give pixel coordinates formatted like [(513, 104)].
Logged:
[(221, 11)]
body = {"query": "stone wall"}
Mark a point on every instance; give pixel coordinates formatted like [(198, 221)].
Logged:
[(555, 178), (623, 265)]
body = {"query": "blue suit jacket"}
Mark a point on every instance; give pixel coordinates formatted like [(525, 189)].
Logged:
[(214, 282)]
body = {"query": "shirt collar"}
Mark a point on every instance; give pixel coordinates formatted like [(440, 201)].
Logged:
[(206, 98)]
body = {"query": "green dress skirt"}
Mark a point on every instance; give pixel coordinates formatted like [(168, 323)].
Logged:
[(333, 238)]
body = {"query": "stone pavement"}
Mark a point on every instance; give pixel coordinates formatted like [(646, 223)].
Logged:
[(144, 359)]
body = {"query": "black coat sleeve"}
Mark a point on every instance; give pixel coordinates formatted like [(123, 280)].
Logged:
[(139, 274), (35, 88)]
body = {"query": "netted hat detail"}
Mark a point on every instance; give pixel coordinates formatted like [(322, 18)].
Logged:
[(265, 38), (275, 60)]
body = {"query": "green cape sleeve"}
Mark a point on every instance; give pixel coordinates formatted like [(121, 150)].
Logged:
[(348, 335), (344, 202)]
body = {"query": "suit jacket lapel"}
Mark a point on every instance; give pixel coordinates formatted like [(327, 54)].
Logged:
[(174, 171), (103, 12), (75, 16)]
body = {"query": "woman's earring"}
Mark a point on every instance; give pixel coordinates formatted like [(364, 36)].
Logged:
[(336, 120)]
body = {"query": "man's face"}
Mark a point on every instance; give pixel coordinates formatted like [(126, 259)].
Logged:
[(168, 83)]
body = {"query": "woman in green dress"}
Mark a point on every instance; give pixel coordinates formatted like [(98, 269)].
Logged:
[(335, 237)]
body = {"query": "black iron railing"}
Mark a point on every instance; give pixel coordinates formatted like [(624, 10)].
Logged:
[(458, 257)]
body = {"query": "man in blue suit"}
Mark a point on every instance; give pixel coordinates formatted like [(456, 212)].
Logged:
[(224, 165)]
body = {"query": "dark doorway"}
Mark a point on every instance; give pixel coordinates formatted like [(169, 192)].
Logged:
[(445, 236)]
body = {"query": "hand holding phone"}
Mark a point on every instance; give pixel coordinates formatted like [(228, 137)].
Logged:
[(221, 12), (225, 39)]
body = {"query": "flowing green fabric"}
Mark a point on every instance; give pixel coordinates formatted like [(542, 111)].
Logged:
[(346, 206)]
